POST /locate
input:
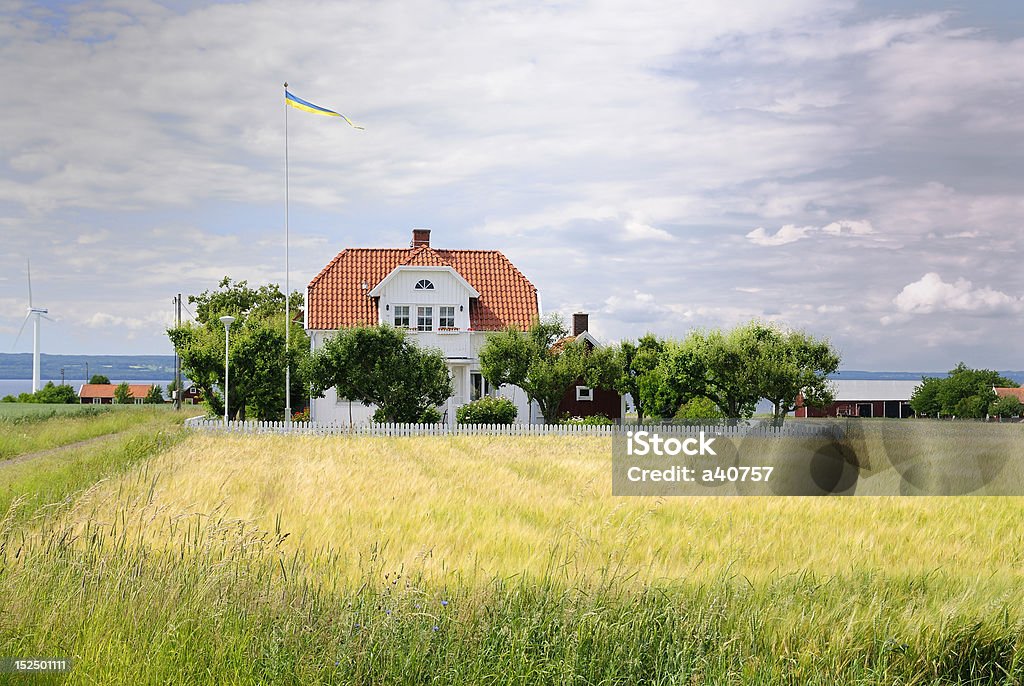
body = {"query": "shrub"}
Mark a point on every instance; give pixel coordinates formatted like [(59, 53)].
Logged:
[(698, 409), (487, 410), (430, 415), (301, 415), (592, 420)]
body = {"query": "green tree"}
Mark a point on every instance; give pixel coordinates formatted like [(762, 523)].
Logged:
[(964, 393), (1006, 407), (545, 371), (99, 379), (123, 394), (380, 366), (155, 395), (790, 364), (639, 364), (257, 356), (718, 366), (53, 394), (925, 399)]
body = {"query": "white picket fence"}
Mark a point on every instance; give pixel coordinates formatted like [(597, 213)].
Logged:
[(318, 429)]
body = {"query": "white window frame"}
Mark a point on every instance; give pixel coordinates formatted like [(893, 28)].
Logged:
[(584, 394), (425, 313), (408, 316), (424, 285), (441, 317)]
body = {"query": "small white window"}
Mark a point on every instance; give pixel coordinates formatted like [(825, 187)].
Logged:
[(424, 285), (584, 393), (402, 316), (424, 318), (446, 317), (97, 401)]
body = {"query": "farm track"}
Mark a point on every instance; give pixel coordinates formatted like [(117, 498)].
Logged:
[(25, 457)]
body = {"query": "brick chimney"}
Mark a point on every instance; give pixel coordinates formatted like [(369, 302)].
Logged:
[(420, 237), (580, 323)]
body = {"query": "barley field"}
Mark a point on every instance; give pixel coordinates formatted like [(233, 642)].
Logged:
[(268, 559)]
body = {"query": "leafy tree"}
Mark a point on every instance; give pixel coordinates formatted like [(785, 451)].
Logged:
[(379, 366), (1005, 407), (964, 393), (155, 395), (639, 365), (49, 394), (719, 367), (62, 394), (545, 371), (257, 357), (790, 364), (99, 379), (925, 398), (123, 394)]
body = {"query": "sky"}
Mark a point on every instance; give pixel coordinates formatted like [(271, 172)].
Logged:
[(853, 169)]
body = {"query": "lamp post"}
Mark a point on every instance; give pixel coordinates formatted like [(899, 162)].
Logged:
[(226, 321)]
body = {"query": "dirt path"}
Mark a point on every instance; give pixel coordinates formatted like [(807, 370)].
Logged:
[(25, 457)]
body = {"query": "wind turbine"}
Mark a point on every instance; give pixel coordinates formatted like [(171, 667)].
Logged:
[(37, 312)]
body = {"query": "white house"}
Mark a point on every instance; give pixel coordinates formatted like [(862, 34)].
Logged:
[(445, 299)]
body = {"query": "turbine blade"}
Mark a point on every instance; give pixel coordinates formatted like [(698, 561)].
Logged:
[(29, 265), (49, 319), (21, 330)]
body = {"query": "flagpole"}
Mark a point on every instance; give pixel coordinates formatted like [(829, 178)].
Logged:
[(287, 285)]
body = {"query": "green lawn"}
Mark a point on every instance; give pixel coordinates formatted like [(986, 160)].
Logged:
[(31, 428)]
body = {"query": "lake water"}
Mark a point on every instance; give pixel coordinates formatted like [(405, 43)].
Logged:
[(16, 386)]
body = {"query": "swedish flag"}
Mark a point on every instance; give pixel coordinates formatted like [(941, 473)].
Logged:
[(300, 104)]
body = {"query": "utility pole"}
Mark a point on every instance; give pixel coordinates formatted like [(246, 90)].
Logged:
[(177, 360)]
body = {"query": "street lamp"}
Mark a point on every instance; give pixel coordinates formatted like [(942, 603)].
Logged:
[(226, 321)]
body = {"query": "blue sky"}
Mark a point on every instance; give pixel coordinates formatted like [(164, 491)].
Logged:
[(853, 169)]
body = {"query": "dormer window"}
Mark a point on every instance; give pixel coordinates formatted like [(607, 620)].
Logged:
[(424, 285)]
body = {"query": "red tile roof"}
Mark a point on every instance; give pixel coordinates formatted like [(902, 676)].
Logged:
[(337, 298), (106, 390), (1017, 393)]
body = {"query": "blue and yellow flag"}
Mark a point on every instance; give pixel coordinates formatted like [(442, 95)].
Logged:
[(300, 104)]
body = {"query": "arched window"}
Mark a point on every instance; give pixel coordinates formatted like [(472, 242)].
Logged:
[(424, 285)]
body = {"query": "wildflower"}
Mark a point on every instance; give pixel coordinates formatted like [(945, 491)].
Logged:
[(437, 628), (387, 612), (444, 603)]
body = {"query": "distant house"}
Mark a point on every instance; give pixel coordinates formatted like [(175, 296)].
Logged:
[(103, 393), (865, 398), (582, 400), (193, 395), (1017, 393)]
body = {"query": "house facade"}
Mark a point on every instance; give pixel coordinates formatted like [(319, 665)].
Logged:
[(582, 400), (444, 299)]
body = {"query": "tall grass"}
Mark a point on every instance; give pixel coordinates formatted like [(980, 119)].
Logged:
[(498, 505), (24, 433), (476, 560)]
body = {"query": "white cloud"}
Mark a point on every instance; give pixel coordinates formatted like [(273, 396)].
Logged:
[(791, 233), (787, 234), (931, 294)]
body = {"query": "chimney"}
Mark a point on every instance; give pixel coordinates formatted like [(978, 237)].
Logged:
[(420, 237), (580, 323)]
